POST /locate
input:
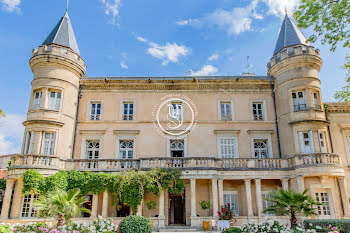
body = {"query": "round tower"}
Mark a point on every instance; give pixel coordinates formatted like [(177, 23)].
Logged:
[(300, 114), (57, 68)]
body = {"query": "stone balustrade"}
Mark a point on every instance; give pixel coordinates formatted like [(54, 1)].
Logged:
[(187, 163)]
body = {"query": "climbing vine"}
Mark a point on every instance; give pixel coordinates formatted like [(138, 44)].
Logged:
[(127, 187)]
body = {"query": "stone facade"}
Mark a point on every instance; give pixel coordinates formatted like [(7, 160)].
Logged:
[(252, 135)]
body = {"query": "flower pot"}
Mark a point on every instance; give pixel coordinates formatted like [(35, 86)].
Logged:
[(206, 226)]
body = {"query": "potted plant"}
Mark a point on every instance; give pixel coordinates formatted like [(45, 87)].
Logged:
[(151, 205), (205, 206), (225, 216)]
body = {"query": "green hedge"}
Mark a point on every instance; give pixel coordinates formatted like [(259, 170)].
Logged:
[(233, 230), (135, 224), (342, 224)]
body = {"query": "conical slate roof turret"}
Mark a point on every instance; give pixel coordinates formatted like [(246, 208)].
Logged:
[(63, 34), (289, 35)]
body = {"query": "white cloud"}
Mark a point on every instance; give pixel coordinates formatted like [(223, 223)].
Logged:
[(141, 39), (213, 57), (278, 7), (205, 70), (11, 6), (111, 8), (168, 52), (183, 22), (11, 133), (123, 65)]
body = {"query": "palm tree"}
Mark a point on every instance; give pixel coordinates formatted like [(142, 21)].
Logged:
[(61, 205), (291, 203)]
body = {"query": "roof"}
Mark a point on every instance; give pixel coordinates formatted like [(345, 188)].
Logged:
[(289, 35), (63, 34)]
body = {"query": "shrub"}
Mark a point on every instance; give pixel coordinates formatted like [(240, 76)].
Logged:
[(233, 230), (268, 225), (343, 225), (135, 224), (5, 229)]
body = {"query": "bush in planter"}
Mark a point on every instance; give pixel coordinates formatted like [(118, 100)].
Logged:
[(233, 230), (135, 224), (342, 224)]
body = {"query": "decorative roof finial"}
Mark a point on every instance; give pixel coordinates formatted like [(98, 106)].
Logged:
[(285, 8), (67, 5)]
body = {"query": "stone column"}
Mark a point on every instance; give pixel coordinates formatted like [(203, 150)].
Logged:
[(258, 196), (193, 198), (17, 199), (285, 185), (37, 142), (161, 216), (214, 188), (247, 183), (300, 184), (221, 192), (94, 206), (105, 205), (344, 196), (139, 209), (45, 98), (7, 198)]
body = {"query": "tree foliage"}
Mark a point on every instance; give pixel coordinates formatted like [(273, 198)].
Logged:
[(2, 114), (291, 203)]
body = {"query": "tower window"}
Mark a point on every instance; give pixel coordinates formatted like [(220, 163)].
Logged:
[(316, 101), (28, 210), (55, 100), (95, 113), (128, 111), (29, 142), (225, 111), (298, 101), (258, 112), (322, 141), (48, 147), (37, 99), (306, 143)]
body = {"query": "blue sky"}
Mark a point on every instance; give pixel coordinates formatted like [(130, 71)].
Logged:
[(145, 38)]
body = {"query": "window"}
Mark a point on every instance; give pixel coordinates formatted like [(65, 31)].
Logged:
[(258, 114), (29, 142), (37, 99), (225, 111), (298, 101), (176, 111), (231, 198), (48, 147), (27, 208), (324, 209), (92, 149), (261, 148), (177, 148), (316, 101), (95, 113), (126, 149), (306, 143), (55, 100), (128, 111), (228, 148), (322, 141), (266, 204)]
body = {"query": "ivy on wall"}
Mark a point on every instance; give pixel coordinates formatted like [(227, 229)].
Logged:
[(127, 187)]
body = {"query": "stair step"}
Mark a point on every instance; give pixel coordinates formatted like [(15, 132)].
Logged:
[(179, 229)]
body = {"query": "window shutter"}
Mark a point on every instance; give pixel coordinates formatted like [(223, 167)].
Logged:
[(301, 142), (312, 147), (31, 142)]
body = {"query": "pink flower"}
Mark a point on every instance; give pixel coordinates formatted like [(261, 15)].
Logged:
[(334, 228)]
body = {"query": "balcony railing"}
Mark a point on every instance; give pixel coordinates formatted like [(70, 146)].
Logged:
[(188, 163), (299, 107)]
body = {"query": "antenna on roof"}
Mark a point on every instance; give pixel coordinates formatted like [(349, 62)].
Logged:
[(248, 69), (67, 5)]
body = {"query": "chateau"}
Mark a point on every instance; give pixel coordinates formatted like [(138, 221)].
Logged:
[(235, 138)]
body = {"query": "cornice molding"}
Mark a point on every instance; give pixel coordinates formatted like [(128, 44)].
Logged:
[(48, 122)]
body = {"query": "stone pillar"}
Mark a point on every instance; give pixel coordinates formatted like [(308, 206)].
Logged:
[(161, 216), (94, 206), (344, 196), (193, 198), (45, 98), (139, 209), (285, 185), (214, 188), (221, 192), (258, 196), (248, 191), (300, 184), (105, 205), (37, 142), (17, 199), (7, 198)]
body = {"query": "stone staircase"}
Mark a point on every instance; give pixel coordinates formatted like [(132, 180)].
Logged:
[(182, 229)]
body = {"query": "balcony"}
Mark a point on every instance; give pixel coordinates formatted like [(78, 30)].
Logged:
[(188, 163)]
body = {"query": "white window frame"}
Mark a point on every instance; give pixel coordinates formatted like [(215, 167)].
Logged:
[(230, 102), (54, 143), (299, 101), (323, 149), (264, 110), (182, 109), (316, 101), (262, 137), (323, 208), (265, 204), (30, 207), (55, 106), (127, 150), (122, 137), (37, 104), (29, 142), (235, 145), (169, 139), (87, 141), (301, 142), (121, 115), (86, 138), (89, 108), (236, 210)]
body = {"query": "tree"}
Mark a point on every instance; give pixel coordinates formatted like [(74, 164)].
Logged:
[(330, 21), (291, 203), (61, 205), (2, 114)]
